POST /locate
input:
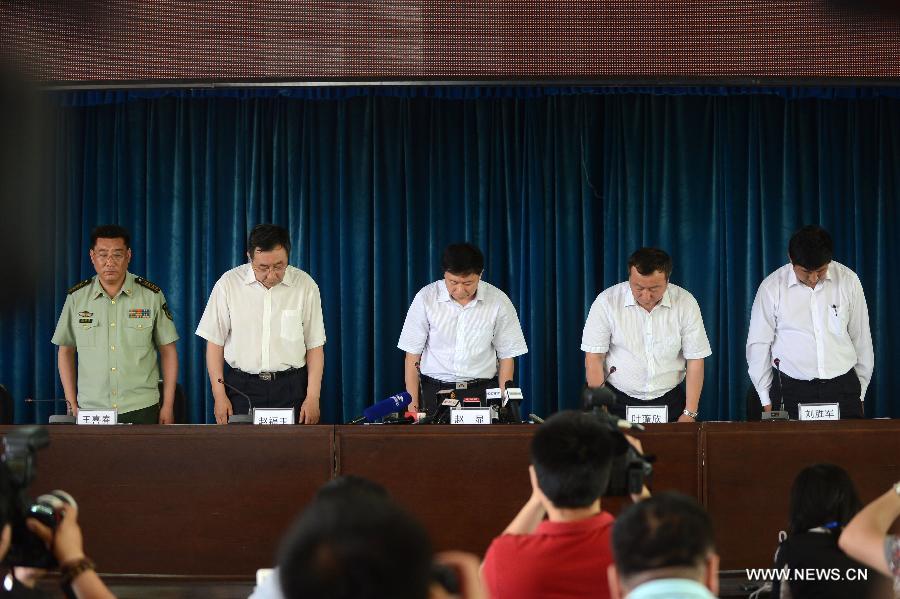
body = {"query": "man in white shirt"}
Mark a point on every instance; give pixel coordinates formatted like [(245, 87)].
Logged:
[(265, 319), (811, 316), (457, 330), (645, 336)]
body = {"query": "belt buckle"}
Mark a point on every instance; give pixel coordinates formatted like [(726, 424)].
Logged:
[(265, 376)]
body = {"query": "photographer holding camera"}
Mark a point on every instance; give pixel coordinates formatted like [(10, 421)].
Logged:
[(67, 545), (37, 536), (572, 456)]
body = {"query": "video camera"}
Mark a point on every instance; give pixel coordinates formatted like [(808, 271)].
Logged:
[(630, 470), (18, 463)]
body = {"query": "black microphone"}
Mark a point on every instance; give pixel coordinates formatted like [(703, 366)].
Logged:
[(240, 418), (446, 401), (394, 403), (612, 369), (512, 397), (67, 418), (780, 414), (780, 382)]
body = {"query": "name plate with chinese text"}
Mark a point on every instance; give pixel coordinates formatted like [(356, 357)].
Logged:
[(647, 414), (490, 394), (96, 417), (819, 411), (482, 415), (270, 416)]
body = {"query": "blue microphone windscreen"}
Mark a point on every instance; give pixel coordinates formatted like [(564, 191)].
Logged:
[(394, 403)]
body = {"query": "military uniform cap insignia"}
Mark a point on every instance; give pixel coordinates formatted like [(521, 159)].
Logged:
[(145, 283), (80, 285)]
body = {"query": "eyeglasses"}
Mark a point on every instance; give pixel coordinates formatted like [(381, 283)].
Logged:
[(106, 256), (264, 270)]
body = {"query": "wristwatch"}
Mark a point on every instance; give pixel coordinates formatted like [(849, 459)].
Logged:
[(693, 415)]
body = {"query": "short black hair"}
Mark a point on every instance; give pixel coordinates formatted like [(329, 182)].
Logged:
[(462, 259), (822, 494), (266, 238), (572, 457), (669, 530), (649, 260), (354, 542), (811, 247), (110, 232)]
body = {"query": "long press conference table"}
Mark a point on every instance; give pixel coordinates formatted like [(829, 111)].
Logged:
[(215, 500)]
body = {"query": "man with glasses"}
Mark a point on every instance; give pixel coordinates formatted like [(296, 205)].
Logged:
[(116, 322), (460, 332), (265, 319)]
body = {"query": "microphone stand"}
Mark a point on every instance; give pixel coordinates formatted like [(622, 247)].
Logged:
[(780, 414), (240, 418)]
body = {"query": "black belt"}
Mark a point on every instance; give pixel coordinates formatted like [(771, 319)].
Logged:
[(453, 385), (817, 381), (269, 376)]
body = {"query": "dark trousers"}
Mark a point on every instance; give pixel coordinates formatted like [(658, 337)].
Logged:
[(430, 387), (674, 398), (287, 390), (843, 390), (148, 415)]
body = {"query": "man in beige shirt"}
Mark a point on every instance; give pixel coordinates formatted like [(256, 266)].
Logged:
[(265, 319)]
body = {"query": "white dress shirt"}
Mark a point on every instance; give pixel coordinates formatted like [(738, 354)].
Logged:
[(816, 333), (648, 349), (264, 330), (461, 343)]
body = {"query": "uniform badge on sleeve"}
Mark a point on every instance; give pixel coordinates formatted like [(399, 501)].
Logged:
[(166, 311)]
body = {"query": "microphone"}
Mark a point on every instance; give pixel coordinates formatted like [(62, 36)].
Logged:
[(780, 414), (780, 382), (612, 369), (240, 418), (536, 419), (513, 397), (66, 418), (442, 410), (394, 403)]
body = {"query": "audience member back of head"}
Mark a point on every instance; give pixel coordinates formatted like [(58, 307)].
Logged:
[(823, 501), (354, 542), (664, 548)]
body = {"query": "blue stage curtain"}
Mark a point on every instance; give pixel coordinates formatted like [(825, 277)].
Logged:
[(557, 186)]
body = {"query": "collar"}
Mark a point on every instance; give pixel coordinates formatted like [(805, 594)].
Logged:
[(443, 294), (793, 280), (249, 277), (596, 522), (629, 300), (670, 587), (127, 287)]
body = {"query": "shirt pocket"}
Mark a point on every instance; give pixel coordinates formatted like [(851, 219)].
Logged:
[(667, 347), (138, 332), (86, 334), (837, 320), (292, 325)]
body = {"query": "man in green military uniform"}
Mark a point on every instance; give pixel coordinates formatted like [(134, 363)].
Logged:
[(116, 321)]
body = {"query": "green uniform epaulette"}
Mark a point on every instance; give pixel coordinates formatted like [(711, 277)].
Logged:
[(80, 285), (145, 283)]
